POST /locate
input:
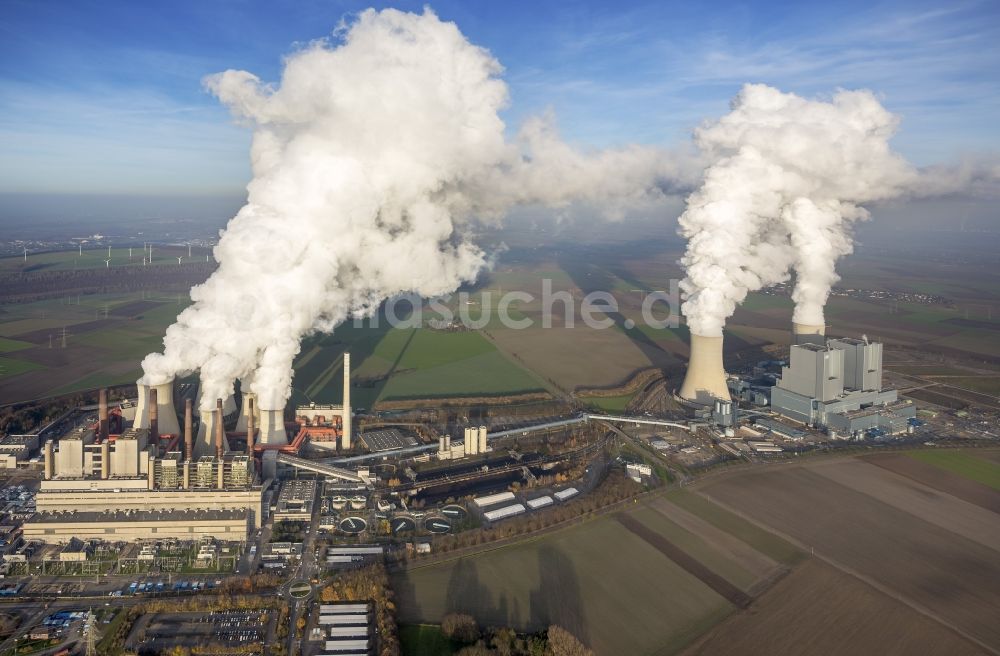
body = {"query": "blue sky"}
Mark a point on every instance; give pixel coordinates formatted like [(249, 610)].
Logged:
[(105, 97)]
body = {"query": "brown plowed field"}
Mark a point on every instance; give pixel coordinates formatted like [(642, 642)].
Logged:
[(939, 479), (965, 519), (733, 548), (956, 579), (819, 610), (719, 585)]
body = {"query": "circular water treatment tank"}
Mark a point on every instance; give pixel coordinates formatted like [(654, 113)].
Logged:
[(402, 525), (454, 512), (352, 525), (437, 525)]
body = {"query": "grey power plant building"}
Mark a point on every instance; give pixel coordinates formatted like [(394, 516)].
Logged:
[(837, 384)]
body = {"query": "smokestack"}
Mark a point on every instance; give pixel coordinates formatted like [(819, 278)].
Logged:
[(220, 430), (50, 461), (154, 416), (105, 459), (188, 430), (804, 333), (246, 408), (705, 380), (166, 414), (345, 436), (102, 414), (251, 428)]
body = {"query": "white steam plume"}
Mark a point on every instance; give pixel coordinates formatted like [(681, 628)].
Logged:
[(783, 192), (368, 160)]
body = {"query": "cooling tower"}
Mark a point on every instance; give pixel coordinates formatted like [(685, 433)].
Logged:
[(245, 410), (204, 445), (345, 436), (804, 333), (228, 405), (272, 427), (166, 415), (705, 380)]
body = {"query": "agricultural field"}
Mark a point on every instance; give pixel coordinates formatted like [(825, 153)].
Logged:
[(645, 581), (906, 539), (105, 337), (818, 609)]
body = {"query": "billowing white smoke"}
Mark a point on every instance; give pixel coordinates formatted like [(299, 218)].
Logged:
[(782, 193), (368, 159)]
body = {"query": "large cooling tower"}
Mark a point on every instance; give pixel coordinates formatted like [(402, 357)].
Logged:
[(241, 422), (166, 415), (228, 405), (705, 380), (205, 445), (272, 427), (804, 333)]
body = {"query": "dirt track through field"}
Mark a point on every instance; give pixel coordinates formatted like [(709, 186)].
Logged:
[(721, 586), (939, 479)]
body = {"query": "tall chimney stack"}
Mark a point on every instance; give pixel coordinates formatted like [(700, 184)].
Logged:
[(251, 428), (220, 429), (188, 430), (345, 436), (154, 417), (806, 333), (705, 380), (102, 414)]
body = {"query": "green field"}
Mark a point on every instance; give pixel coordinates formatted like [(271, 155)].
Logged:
[(11, 345), (13, 367), (962, 463), (609, 403), (424, 640), (615, 591)]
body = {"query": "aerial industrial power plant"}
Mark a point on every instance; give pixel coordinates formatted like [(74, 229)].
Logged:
[(701, 359)]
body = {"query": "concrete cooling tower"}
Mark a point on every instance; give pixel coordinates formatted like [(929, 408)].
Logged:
[(209, 435), (804, 333), (228, 405), (272, 427), (249, 401), (165, 414), (705, 380)]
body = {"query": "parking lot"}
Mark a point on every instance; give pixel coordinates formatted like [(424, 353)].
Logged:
[(243, 629)]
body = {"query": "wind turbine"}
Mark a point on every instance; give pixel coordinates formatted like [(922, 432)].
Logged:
[(130, 254), (189, 250), (81, 248), (25, 253), (109, 251), (179, 259), (107, 263)]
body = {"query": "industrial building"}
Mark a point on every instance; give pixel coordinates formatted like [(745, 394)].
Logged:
[(837, 384), (336, 418), (474, 443), (139, 484)]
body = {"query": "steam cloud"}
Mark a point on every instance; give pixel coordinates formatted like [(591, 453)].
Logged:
[(368, 161), (784, 189)]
